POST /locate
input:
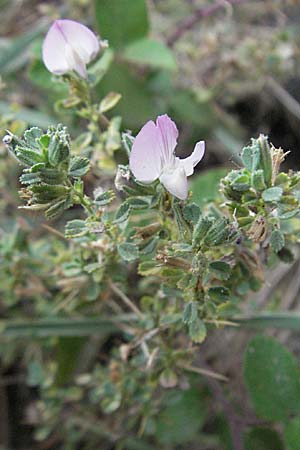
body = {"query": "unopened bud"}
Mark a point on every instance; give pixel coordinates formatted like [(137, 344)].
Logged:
[(7, 139)]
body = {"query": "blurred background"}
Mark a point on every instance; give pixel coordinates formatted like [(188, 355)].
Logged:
[(225, 71)]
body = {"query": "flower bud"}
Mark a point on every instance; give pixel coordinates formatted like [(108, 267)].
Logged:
[(68, 46)]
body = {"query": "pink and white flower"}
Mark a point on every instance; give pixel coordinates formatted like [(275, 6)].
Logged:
[(68, 46), (152, 157)]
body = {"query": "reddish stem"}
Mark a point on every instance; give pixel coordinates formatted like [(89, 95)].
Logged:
[(189, 22)]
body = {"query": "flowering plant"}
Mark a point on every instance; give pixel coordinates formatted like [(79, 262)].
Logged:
[(146, 272)]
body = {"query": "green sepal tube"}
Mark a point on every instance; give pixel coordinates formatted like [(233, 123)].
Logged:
[(266, 160), (257, 180), (200, 230)]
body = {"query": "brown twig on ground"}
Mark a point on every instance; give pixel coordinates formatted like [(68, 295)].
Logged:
[(126, 300), (189, 22)]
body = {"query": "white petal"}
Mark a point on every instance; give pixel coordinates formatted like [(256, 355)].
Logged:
[(168, 137), (54, 55), (191, 161), (75, 62), (145, 159), (69, 45), (81, 38), (175, 181)]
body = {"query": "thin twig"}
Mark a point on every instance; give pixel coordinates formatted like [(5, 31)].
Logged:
[(66, 301), (217, 322), (285, 98), (189, 22), (201, 371), (53, 231), (126, 300)]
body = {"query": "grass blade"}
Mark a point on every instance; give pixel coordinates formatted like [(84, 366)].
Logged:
[(62, 326), (284, 320)]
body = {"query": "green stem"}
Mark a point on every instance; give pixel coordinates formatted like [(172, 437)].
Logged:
[(85, 202), (183, 227)]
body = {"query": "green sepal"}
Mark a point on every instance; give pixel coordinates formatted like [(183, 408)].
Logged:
[(75, 228), (79, 166), (128, 251), (277, 240)]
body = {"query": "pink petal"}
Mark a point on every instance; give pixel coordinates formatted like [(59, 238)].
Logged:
[(54, 56), (175, 181), (145, 159), (80, 37), (69, 45), (74, 61), (168, 136), (191, 161)]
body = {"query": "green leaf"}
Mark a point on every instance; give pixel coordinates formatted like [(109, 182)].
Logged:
[(104, 198), (138, 202), (197, 331), (190, 312), (168, 378), (122, 213), (181, 418), (220, 269), (288, 214), (41, 77), (148, 268), (251, 156), (219, 294), (121, 21), (28, 157), (150, 53), (12, 56), (257, 180), (30, 178), (277, 240), (51, 176), (191, 213), (135, 92), (273, 194), (79, 166), (262, 439), (128, 251), (109, 102), (44, 193), (32, 137), (58, 150), (217, 233), (200, 230), (272, 379), (57, 208), (292, 434), (75, 228)]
